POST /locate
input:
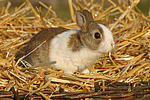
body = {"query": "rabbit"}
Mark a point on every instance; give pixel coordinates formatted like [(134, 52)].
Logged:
[(72, 49)]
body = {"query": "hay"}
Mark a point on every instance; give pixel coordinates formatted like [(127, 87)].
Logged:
[(128, 65)]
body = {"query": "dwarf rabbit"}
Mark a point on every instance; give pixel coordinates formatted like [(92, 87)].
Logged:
[(73, 50)]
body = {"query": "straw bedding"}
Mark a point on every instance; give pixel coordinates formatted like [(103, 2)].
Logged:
[(123, 73)]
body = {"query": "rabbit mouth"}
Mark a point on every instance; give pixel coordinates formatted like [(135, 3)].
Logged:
[(101, 52), (105, 49)]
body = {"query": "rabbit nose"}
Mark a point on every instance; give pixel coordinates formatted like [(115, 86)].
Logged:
[(112, 44)]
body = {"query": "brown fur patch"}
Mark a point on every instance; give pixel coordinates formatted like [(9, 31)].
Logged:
[(74, 42), (40, 55)]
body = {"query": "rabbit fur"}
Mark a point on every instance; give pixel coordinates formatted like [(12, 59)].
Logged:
[(73, 50)]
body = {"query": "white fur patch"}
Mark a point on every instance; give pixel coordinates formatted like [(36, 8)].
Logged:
[(72, 61), (108, 43)]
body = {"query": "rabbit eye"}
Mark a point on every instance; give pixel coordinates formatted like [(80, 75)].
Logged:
[(97, 35)]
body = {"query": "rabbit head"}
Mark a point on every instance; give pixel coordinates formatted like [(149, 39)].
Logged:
[(93, 35)]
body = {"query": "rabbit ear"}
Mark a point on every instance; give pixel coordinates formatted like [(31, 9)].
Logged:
[(88, 16), (80, 19), (83, 19)]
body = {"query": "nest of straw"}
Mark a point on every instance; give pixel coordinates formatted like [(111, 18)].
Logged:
[(123, 73)]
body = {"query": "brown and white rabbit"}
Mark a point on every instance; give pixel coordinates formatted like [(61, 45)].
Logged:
[(73, 50)]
